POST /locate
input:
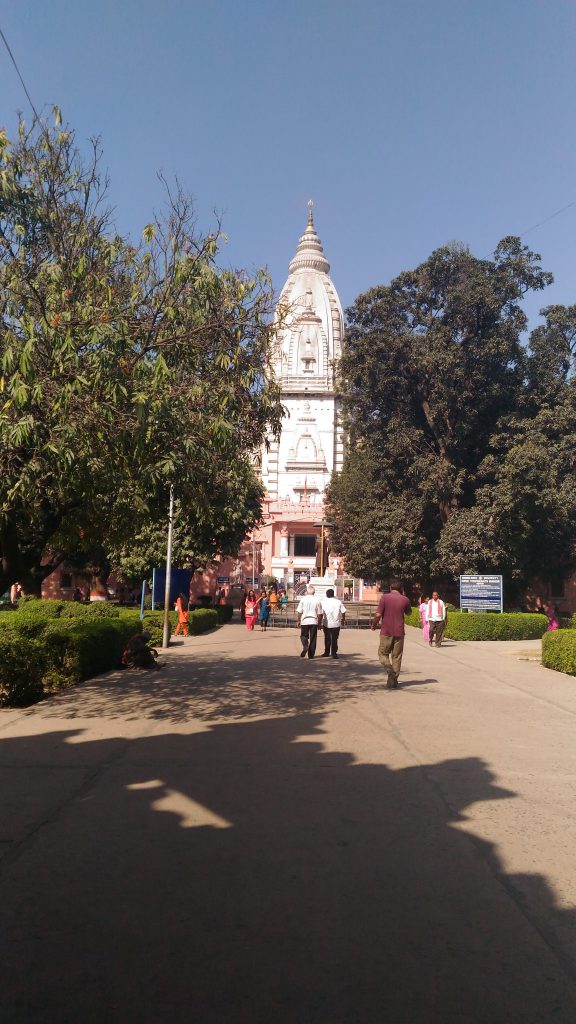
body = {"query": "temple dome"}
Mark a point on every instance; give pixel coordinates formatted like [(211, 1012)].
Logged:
[(310, 340), (310, 254)]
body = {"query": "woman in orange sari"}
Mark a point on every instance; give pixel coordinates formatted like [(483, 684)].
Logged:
[(182, 609)]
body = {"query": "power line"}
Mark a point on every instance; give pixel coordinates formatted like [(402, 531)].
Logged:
[(546, 219), (13, 59)]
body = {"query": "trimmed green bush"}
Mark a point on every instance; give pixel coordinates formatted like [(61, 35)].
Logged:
[(42, 652), (559, 650), (224, 612), (489, 625), (202, 619), (413, 618), (97, 609), (36, 608), (22, 664), (493, 626), (76, 649), (154, 622)]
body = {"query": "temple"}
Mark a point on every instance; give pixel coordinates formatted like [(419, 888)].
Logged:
[(296, 468), (291, 542)]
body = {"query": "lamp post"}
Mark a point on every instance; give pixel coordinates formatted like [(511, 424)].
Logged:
[(166, 628)]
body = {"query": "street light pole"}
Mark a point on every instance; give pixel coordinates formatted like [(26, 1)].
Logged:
[(166, 629), (253, 561)]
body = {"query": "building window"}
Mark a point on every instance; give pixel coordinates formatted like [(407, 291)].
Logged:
[(305, 546), (66, 580)]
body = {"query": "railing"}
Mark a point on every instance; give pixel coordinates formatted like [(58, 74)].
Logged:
[(358, 616)]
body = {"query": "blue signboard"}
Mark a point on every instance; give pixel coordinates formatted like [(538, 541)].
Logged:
[(481, 593), (179, 583), (223, 579)]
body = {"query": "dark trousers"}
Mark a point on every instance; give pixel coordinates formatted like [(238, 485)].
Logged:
[(436, 632), (331, 635), (308, 637)]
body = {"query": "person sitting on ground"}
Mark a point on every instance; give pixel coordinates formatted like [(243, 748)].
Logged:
[(138, 653)]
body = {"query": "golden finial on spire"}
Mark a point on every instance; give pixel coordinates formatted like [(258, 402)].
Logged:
[(310, 205)]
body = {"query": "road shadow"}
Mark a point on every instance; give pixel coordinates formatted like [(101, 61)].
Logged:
[(226, 687), (248, 874)]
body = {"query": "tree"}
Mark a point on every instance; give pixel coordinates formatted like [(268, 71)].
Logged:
[(122, 368), (523, 518), (205, 528), (431, 364)]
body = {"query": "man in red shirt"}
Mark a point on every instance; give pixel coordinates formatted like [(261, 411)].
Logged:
[(390, 613)]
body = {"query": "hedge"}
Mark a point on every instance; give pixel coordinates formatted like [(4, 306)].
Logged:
[(559, 650), (490, 625), (66, 651), (22, 665), (224, 612), (46, 646)]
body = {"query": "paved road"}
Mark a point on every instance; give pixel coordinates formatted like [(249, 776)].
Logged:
[(253, 838)]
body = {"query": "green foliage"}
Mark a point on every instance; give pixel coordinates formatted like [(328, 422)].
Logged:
[(78, 649), (37, 611), (461, 442), (154, 622), (95, 610), (224, 612), (202, 619), (121, 368), (559, 650), (413, 618), (492, 626), (42, 656), (488, 625), (212, 522), (22, 664)]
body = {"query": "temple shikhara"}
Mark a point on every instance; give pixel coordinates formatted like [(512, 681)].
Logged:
[(291, 542)]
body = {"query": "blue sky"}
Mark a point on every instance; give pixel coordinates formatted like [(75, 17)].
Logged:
[(409, 123)]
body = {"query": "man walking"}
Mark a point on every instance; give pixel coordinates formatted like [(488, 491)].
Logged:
[(436, 618), (390, 613), (334, 617), (309, 612)]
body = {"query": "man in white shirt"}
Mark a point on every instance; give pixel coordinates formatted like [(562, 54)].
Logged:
[(334, 618), (436, 618), (309, 613)]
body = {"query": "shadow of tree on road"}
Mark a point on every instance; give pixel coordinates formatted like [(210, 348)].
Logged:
[(245, 874), (223, 688)]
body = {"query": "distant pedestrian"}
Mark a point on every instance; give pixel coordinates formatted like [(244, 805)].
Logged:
[(553, 615), (436, 619), (309, 616), (78, 595), (334, 617), (182, 609), (423, 620), (251, 610), (390, 614), (264, 613)]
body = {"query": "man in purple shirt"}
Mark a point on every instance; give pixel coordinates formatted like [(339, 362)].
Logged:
[(390, 613)]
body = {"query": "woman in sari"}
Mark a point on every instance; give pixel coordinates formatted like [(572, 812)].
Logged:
[(422, 613), (182, 609)]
